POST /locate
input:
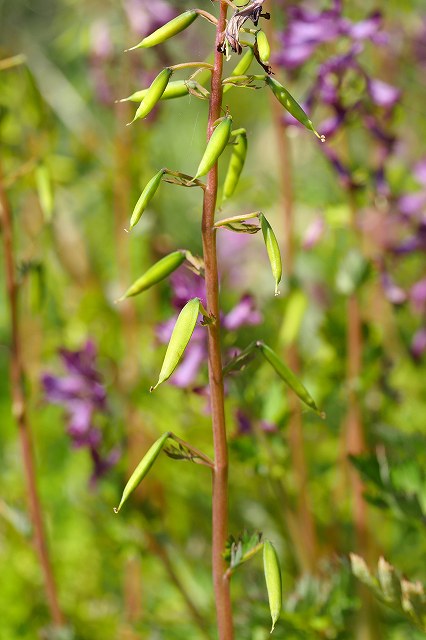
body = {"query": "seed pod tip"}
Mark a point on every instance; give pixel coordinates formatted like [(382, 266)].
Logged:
[(116, 509)]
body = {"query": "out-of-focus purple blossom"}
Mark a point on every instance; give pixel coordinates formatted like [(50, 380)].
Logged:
[(418, 296), (419, 171), (416, 242), (82, 395), (100, 40), (243, 314), (418, 344), (392, 291), (313, 233), (369, 29), (102, 464), (383, 94), (145, 17), (186, 285), (244, 425), (412, 203)]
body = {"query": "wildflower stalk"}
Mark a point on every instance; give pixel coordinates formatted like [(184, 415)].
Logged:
[(19, 410), (220, 470), (307, 530)]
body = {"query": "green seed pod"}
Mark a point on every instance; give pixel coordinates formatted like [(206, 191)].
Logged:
[(153, 94), (175, 89), (45, 191), (142, 469), (168, 30), (182, 332), (215, 146), (146, 197), (288, 376), (236, 164), (292, 106), (273, 250), (157, 272), (263, 47), (271, 568), (241, 67)]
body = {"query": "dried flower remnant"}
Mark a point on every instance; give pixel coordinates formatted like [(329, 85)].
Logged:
[(231, 36), (82, 394)]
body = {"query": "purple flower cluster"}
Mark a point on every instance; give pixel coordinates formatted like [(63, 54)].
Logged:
[(83, 396), (373, 105)]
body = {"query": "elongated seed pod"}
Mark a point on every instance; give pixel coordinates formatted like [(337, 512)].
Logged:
[(168, 30), (142, 469), (288, 376), (215, 146), (241, 67), (182, 332), (273, 250), (154, 94), (145, 197), (263, 47), (175, 89), (271, 568), (236, 165), (157, 272), (293, 107)]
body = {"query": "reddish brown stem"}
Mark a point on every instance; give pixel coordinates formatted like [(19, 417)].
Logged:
[(220, 471), (19, 410)]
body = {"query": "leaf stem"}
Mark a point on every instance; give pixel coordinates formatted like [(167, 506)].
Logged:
[(220, 471), (19, 410), (199, 456)]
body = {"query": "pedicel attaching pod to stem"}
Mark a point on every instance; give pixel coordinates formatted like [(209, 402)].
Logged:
[(272, 571), (168, 30), (293, 107), (146, 196), (236, 164), (154, 94), (156, 273), (182, 332), (215, 146), (288, 376), (273, 250), (142, 469)]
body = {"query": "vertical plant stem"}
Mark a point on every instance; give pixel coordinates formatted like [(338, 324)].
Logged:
[(220, 471), (307, 530), (19, 410)]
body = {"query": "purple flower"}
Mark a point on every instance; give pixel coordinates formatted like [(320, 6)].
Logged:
[(383, 94), (420, 171), (82, 395), (418, 344), (145, 17), (313, 233), (394, 294), (243, 314), (418, 296)]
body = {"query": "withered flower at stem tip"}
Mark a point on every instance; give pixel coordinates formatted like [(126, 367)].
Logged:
[(252, 11)]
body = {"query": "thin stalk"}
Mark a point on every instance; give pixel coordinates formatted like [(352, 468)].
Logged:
[(220, 471), (19, 410), (307, 527)]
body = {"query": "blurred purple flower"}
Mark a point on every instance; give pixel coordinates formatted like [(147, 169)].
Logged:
[(418, 344), (393, 293), (419, 171), (82, 395), (243, 314), (313, 233), (145, 17), (418, 296), (383, 94)]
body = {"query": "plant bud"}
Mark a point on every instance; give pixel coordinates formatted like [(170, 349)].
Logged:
[(236, 164), (153, 94), (263, 47), (273, 250), (168, 30), (145, 197), (271, 568), (215, 146)]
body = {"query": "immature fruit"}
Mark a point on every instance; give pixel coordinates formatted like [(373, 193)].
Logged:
[(146, 197), (292, 106), (236, 164), (157, 272), (175, 89), (154, 94), (215, 146), (287, 375), (168, 30), (182, 332), (273, 250), (272, 573), (263, 47), (142, 469)]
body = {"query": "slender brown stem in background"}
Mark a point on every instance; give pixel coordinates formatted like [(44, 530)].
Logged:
[(307, 529), (19, 410), (220, 471)]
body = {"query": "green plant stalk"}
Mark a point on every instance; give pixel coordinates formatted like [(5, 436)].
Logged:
[(220, 470), (19, 411)]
